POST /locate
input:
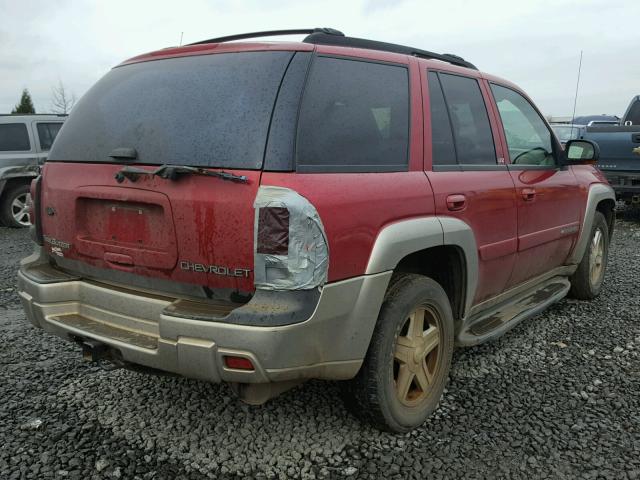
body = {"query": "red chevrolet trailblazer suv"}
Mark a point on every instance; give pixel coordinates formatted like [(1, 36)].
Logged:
[(341, 209)]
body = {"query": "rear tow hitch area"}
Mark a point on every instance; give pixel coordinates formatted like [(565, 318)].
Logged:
[(100, 354), (260, 393)]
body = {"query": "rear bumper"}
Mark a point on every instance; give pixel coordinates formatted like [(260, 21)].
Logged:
[(330, 344)]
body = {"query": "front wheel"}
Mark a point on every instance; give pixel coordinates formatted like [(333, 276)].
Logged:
[(587, 280), (14, 209), (408, 361)]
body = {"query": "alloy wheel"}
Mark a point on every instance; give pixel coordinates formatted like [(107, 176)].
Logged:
[(20, 209), (417, 356), (596, 257)]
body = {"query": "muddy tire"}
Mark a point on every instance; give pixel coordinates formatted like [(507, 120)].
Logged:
[(587, 280), (13, 207), (407, 365)]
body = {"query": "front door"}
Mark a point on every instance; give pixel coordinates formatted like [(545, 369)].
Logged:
[(468, 180), (548, 197)]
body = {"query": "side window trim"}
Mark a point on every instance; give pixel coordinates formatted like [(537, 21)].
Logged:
[(466, 166), (302, 168), (453, 135), (36, 136), (518, 167)]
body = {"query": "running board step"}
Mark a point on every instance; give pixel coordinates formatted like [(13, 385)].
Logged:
[(494, 323)]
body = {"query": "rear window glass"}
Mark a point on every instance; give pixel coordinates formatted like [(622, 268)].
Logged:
[(206, 110), (47, 133), (633, 115), (14, 138), (354, 117)]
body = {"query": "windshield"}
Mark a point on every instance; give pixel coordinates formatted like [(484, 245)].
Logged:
[(566, 133), (206, 110)]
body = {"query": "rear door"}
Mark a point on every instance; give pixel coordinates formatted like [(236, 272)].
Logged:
[(550, 202), (468, 176)]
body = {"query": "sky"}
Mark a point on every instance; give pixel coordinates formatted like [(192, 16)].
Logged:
[(533, 43)]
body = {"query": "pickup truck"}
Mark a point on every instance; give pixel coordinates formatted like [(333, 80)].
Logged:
[(620, 152)]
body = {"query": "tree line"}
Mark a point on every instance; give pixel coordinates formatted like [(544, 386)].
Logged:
[(62, 101)]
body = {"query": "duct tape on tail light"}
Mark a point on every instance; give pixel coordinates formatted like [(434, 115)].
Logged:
[(291, 251)]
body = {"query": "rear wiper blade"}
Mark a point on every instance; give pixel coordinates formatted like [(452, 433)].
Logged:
[(172, 172)]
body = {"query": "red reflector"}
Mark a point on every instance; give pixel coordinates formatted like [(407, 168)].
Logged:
[(239, 363)]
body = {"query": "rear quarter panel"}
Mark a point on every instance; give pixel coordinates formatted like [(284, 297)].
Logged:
[(354, 207)]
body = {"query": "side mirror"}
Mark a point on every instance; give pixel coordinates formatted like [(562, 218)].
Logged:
[(581, 152)]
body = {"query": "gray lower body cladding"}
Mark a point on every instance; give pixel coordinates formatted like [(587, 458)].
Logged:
[(330, 343)]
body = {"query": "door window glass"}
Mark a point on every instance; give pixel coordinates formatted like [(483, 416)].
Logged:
[(14, 138), (528, 138)]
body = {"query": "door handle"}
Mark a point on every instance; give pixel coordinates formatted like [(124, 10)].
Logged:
[(528, 194), (456, 202)]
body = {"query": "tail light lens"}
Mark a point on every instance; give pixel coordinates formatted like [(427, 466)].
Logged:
[(35, 211), (273, 231), (291, 248)]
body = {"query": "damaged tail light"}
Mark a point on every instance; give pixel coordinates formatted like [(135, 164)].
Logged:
[(291, 249), (34, 211)]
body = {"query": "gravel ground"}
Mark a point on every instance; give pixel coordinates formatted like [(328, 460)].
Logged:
[(557, 397)]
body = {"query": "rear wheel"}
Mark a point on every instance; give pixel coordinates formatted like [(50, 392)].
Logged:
[(15, 205), (407, 365), (587, 280)]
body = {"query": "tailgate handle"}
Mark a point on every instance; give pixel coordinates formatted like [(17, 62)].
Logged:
[(635, 138), (119, 261)]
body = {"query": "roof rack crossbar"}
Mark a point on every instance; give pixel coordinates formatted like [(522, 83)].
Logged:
[(331, 36), (271, 33)]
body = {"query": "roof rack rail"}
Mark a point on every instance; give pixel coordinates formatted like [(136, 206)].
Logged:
[(271, 33), (331, 36), (320, 38)]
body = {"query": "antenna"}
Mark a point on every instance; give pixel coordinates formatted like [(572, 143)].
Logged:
[(575, 100), (181, 33)]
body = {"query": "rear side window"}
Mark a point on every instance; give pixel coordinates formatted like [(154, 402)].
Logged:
[(204, 110), (47, 133), (14, 138), (354, 117), (469, 119)]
